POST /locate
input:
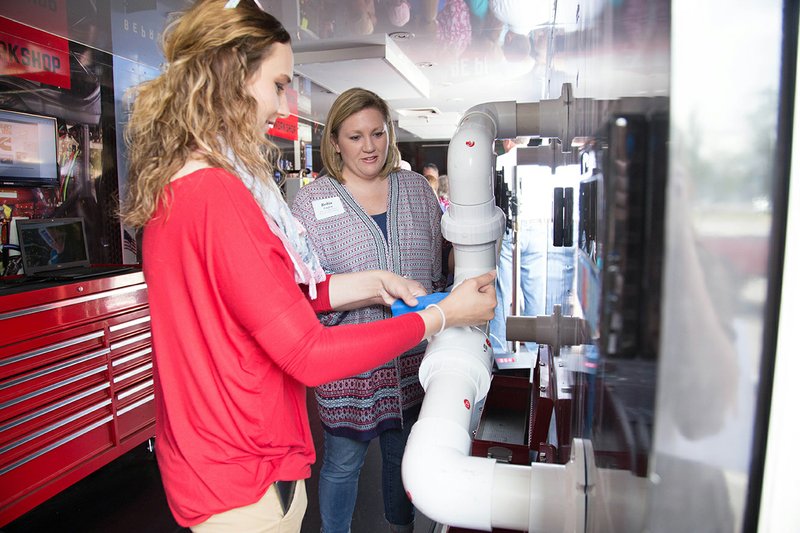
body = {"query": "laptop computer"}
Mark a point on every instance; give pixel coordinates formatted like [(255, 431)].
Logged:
[(57, 248)]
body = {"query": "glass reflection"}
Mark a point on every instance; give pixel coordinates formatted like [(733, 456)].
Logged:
[(686, 414)]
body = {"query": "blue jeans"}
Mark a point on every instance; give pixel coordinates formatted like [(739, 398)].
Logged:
[(341, 465), (546, 274)]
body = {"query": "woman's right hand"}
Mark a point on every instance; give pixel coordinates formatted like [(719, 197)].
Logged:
[(471, 303)]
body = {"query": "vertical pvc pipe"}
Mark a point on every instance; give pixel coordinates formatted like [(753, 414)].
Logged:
[(442, 479)]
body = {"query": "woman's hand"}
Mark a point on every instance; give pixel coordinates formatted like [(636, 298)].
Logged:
[(372, 287), (396, 287), (471, 303)]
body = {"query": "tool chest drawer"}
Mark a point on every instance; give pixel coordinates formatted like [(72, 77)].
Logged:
[(76, 384)]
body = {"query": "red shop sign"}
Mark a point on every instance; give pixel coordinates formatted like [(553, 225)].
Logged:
[(286, 128), (32, 54)]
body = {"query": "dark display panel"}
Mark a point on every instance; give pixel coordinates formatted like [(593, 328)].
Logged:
[(621, 250)]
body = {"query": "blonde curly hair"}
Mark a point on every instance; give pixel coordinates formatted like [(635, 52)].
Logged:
[(200, 102)]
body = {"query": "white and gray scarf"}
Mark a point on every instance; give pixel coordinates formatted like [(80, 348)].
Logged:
[(307, 269)]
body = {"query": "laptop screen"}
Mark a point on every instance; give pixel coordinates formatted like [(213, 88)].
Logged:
[(49, 245)]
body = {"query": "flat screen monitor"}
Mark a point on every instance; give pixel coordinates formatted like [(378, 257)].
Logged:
[(52, 244), (28, 150)]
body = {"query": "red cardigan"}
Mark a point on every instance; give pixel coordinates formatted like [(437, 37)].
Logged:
[(236, 341)]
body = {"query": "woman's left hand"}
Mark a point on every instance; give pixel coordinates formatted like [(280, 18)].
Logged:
[(396, 287), (353, 290)]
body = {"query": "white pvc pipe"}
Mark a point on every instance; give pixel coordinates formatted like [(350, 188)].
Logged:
[(472, 144), (473, 222), (443, 481), (440, 477), (511, 496)]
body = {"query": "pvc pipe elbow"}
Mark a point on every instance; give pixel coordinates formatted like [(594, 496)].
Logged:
[(502, 114), (440, 477), (442, 480), (470, 160)]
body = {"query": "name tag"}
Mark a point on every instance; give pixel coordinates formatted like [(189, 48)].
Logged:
[(327, 207)]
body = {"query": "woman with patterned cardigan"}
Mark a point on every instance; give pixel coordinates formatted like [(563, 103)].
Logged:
[(369, 214)]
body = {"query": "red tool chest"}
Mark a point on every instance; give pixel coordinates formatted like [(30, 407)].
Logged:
[(76, 384)]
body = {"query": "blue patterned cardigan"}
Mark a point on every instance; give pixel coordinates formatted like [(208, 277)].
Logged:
[(361, 407)]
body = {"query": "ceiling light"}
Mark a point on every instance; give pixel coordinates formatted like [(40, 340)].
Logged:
[(379, 65), (401, 35), (430, 126), (418, 111)]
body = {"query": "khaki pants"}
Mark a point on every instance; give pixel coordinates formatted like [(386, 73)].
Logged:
[(264, 516)]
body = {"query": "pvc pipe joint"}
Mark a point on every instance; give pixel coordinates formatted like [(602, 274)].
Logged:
[(464, 352)]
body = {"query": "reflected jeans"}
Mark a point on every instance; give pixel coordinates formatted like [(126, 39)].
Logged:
[(546, 275), (341, 466)]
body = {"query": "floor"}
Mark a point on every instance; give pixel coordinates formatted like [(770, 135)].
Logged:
[(127, 496)]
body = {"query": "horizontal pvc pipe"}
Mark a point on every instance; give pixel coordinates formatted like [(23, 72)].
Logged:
[(562, 330), (511, 496)]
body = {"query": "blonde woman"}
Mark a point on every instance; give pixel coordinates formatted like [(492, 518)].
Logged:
[(233, 284), (378, 216)]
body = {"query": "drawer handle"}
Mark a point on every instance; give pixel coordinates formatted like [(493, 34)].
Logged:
[(134, 405), (135, 371), (51, 348), (72, 301), (499, 453), (54, 386), (56, 368), (131, 340), (55, 426), (131, 357), (55, 445), (134, 390), (130, 323), (50, 408)]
